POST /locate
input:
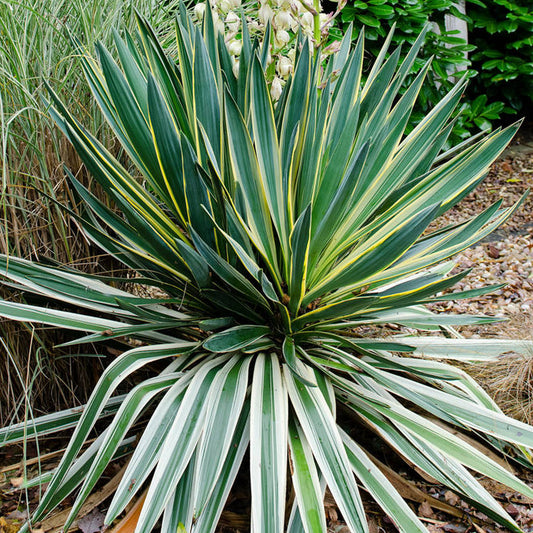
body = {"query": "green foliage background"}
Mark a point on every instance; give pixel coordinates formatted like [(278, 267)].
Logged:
[(502, 31), (500, 53)]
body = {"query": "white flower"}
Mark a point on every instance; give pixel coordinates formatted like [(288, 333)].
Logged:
[(235, 3), (265, 13), (297, 7), (307, 21), (281, 38), (219, 26), (291, 54), (284, 67), (276, 89), (232, 22), (235, 48), (254, 26), (295, 24), (224, 6), (199, 10), (282, 21), (235, 68)]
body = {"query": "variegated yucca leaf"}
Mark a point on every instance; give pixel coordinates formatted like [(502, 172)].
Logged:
[(275, 234)]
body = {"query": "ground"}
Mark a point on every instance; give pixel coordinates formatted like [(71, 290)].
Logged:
[(504, 257)]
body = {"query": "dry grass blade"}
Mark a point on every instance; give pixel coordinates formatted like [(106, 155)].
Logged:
[(35, 46), (510, 382)]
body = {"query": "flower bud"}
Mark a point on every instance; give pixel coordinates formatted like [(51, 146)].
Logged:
[(281, 38), (232, 22), (333, 48), (235, 47), (199, 10), (276, 89), (284, 67)]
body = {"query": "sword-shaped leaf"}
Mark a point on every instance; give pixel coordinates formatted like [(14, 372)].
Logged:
[(268, 445)]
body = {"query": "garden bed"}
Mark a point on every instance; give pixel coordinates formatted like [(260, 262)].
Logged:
[(504, 257)]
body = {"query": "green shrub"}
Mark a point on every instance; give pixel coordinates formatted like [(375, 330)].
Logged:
[(278, 235), (500, 44), (446, 48), (502, 31)]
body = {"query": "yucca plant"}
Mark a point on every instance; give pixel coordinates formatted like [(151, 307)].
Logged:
[(274, 236)]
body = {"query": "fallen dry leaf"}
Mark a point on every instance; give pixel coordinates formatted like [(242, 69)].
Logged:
[(451, 497), (425, 510), (129, 522), (16, 482), (373, 526), (331, 513), (453, 528), (506, 166), (493, 251), (92, 522), (7, 526), (55, 522), (17, 515), (512, 510)]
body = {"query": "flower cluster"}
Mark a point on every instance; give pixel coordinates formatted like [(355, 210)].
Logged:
[(286, 18)]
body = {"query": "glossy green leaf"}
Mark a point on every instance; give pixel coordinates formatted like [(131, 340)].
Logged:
[(306, 482), (236, 338), (268, 444), (321, 432)]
